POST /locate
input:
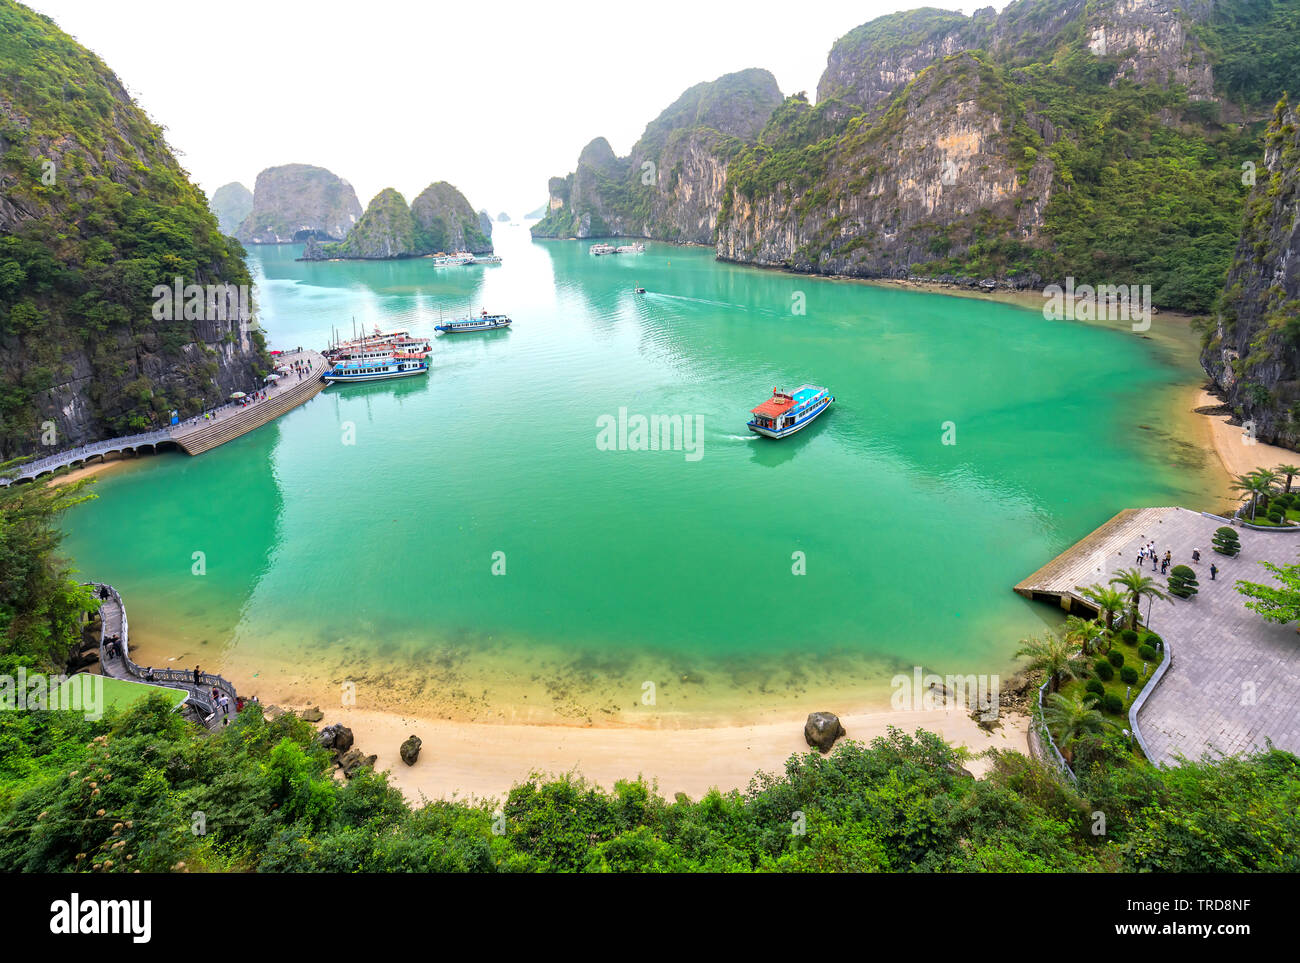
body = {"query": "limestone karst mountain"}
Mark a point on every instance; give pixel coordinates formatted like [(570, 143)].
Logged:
[(231, 203), (439, 220), (295, 202), (1096, 139)]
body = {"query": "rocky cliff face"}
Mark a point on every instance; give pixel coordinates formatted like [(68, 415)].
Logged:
[(296, 202), (445, 222), (944, 149), (231, 203), (1252, 352), (670, 185), (95, 214), (896, 188)]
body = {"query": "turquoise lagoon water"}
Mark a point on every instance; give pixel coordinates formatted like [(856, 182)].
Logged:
[(374, 561)]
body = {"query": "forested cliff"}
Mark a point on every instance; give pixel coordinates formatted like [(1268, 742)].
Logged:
[(95, 212), (1252, 351)]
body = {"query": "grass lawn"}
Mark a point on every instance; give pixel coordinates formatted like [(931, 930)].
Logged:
[(117, 693)]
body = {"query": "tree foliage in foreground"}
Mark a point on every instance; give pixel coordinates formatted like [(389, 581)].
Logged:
[(899, 804), (40, 604), (1275, 603)]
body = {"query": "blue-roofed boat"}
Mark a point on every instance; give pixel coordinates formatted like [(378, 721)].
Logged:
[(484, 322), (787, 412), (378, 369)]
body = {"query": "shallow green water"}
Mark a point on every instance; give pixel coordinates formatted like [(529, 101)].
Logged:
[(383, 549)]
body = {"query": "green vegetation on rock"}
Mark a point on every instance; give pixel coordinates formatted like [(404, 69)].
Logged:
[(94, 212)]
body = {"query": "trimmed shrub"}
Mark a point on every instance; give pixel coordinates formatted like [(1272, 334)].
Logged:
[(1129, 637), (1116, 658), (1182, 582), (1113, 704), (1150, 638), (1226, 542), (1146, 653), (1128, 675), (1096, 687), (1105, 671)]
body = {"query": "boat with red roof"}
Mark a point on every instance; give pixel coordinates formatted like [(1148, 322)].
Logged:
[(788, 411)]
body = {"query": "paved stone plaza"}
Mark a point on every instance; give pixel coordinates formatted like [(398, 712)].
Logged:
[(1234, 681)]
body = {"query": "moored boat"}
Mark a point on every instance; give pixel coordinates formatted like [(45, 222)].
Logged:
[(396, 365), (637, 248), (486, 259), (787, 412), (599, 249), (484, 322)]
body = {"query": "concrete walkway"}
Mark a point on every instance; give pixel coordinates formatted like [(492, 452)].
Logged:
[(1234, 679), (113, 625)]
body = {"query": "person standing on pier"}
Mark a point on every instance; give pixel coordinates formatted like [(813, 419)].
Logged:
[(198, 676)]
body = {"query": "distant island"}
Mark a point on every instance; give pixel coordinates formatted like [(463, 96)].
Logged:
[(296, 202), (439, 220)]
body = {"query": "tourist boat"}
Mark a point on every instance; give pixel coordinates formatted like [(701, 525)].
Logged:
[(447, 260), (599, 249), (485, 259), (786, 412), (637, 248), (383, 349), (484, 322), (398, 365), (638, 290)]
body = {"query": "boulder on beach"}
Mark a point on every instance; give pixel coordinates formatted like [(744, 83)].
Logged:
[(822, 729), (312, 715), (352, 760), (410, 750), (337, 737)]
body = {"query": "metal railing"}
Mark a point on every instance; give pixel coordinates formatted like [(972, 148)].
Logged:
[(1045, 734), (32, 469), (200, 692)]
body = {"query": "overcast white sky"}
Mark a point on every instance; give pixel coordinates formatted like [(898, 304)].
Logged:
[(494, 97)]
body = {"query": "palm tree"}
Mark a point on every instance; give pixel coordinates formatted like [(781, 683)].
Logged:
[(1136, 585), (1054, 654), (1109, 602), (1084, 631), (1290, 471), (1269, 478), (1071, 719), (1251, 486)]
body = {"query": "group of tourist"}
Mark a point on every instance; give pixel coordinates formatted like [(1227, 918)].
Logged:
[(302, 368), (1160, 563)]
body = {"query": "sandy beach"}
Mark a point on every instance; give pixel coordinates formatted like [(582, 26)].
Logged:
[(1235, 453), (484, 760)]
